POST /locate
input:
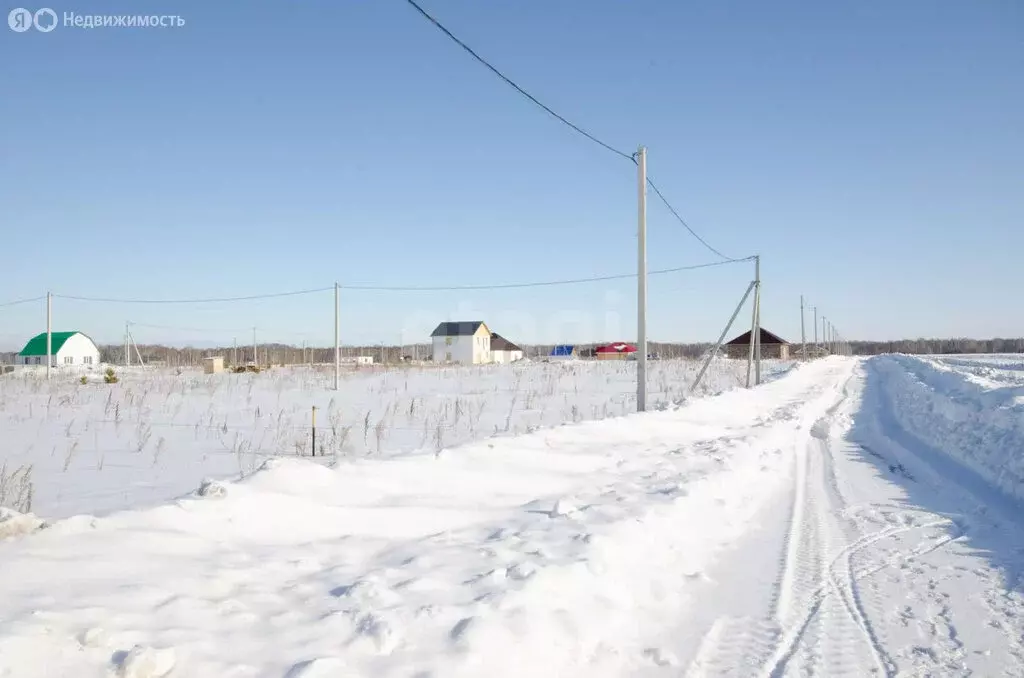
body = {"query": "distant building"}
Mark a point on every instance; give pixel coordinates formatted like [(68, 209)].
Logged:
[(619, 351), (464, 342), (503, 350), (563, 351), (66, 349), (213, 364), (772, 346)]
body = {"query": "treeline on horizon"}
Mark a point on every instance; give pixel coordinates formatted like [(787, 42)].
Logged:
[(286, 354), (277, 353)]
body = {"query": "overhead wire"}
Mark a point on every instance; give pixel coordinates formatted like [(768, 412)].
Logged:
[(22, 301), (539, 283), (397, 288), (511, 83), (629, 156), (682, 221), (210, 300)]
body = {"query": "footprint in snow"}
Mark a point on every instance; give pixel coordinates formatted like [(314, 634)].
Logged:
[(322, 667), (144, 662)]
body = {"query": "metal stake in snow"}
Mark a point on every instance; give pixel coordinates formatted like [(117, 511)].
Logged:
[(49, 332), (641, 282), (314, 430), (337, 339)]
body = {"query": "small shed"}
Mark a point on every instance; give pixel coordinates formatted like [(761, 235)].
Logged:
[(618, 351), (772, 346), (213, 364)]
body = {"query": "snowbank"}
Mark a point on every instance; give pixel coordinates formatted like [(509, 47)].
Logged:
[(562, 552), (96, 448), (947, 405)]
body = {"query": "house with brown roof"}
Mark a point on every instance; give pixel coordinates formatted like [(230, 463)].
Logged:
[(772, 346), (503, 350)]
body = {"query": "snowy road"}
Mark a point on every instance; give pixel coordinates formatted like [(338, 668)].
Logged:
[(796, 529), (888, 560)]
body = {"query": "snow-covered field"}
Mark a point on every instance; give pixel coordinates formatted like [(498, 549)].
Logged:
[(155, 435), (822, 524)]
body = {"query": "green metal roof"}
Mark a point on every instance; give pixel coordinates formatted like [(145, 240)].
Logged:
[(37, 344)]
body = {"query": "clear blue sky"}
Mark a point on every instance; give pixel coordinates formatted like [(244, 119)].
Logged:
[(871, 152)]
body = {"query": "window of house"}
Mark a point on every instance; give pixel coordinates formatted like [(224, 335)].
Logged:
[(448, 356), (39, 361), (448, 341), (87, 360), (69, 360)]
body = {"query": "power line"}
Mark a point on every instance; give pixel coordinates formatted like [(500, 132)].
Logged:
[(682, 221), (194, 301), (576, 128), (22, 301), (215, 330), (541, 283), (390, 288), (519, 89)]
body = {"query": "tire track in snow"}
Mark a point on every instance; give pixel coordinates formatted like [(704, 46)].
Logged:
[(835, 608)]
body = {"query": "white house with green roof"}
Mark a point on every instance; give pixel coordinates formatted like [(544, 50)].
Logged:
[(66, 348)]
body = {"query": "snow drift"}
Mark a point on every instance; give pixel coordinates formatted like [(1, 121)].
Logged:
[(972, 411)]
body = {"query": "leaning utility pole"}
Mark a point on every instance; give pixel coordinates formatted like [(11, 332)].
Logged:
[(718, 344), (641, 281)]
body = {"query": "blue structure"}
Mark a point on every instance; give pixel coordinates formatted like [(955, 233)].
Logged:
[(564, 351)]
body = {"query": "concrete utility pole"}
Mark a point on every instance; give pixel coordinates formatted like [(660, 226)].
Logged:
[(337, 338), (754, 345), (815, 309), (49, 332), (127, 347), (641, 281), (803, 334), (824, 332), (757, 312)]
